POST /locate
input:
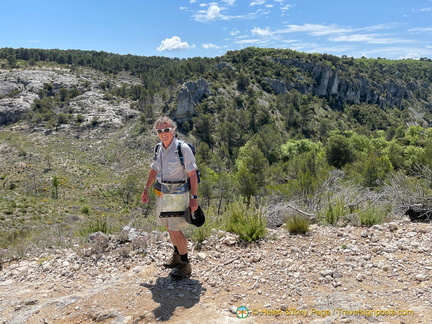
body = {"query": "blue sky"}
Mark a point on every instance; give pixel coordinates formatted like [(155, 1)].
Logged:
[(391, 29)]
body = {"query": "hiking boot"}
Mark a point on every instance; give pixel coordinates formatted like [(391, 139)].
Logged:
[(173, 262), (183, 270)]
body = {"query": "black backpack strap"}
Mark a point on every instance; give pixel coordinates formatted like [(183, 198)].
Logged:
[(156, 150), (180, 152)]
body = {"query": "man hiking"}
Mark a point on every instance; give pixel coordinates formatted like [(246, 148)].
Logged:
[(176, 190)]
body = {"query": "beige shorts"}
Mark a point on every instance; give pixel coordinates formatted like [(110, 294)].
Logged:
[(173, 223)]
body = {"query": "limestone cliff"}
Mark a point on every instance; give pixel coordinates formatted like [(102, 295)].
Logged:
[(322, 80)]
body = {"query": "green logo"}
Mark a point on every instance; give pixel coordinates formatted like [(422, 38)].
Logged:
[(242, 312)]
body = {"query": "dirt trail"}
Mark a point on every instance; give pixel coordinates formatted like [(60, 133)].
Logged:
[(334, 275)]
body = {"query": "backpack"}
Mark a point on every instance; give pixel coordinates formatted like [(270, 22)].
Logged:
[(180, 154)]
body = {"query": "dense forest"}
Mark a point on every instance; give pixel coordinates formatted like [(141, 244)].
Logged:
[(341, 138)]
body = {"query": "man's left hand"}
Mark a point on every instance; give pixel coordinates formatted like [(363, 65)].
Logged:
[(193, 204)]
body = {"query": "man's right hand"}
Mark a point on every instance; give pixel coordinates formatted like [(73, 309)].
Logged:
[(144, 196)]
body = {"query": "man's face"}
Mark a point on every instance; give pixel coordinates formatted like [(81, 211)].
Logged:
[(165, 131)]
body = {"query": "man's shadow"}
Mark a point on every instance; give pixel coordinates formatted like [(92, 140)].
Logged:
[(170, 293)]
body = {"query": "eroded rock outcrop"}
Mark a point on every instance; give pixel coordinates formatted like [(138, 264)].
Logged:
[(327, 81), (190, 94), (19, 89)]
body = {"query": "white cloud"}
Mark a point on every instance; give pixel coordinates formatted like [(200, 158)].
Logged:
[(315, 29), (337, 33), (234, 32), (261, 32), (287, 7), (333, 29), (257, 3), (380, 27), (396, 52), (173, 44), (367, 38), (247, 41), (213, 12), (413, 56), (210, 46), (428, 9), (421, 30)]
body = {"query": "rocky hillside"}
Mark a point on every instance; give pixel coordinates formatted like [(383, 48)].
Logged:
[(184, 84), (332, 275), (19, 89)]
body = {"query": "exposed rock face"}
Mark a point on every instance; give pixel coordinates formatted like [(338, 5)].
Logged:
[(12, 109), (18, 90), (190, 94), (223, 65), (326, 81)]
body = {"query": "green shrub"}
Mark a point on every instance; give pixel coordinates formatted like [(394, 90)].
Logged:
[(333, 211), (245, 220), (199, 234), (80, 118), (56, 183), (97, 224), (373, 216), (85, 209), (298, 225)]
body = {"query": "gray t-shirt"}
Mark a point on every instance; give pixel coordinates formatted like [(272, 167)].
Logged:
[(168, 165)]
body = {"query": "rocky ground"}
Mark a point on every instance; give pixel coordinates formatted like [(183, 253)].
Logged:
[(380, 274)]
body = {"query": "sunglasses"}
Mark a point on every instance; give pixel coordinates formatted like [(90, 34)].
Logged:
[(166, 130)]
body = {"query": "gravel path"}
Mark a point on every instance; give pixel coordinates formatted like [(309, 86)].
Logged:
[(380, 274)]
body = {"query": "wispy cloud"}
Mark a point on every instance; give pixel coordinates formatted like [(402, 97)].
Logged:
[(250, 41), (336, 33), (173, 44), (315, 29), (215, 12), (368, 38), (287, 7), (380, 27), (257, 31), (421, 29), (234, 32), (427, 9), (397, 52), (257, 3), (210, 46)]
